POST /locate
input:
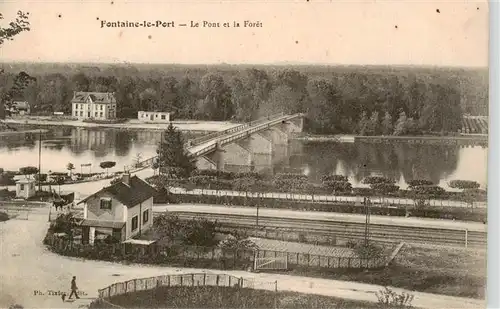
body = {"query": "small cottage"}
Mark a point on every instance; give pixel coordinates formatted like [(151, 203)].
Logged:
[(122, 210), (25, 188)]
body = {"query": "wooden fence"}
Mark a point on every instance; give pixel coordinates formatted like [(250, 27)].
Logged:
[(223, 258), (197, 279)]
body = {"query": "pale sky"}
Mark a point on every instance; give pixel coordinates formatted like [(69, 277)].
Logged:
[(327, 32)]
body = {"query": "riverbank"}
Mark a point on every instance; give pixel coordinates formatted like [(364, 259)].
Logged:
[(131, 124), (11, 133), (341, 138)]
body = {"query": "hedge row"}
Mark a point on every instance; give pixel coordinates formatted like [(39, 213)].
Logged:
[(457, 213), (264, 186)]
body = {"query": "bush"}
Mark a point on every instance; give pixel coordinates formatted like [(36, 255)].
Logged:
[(419, 182), (368, 251), (171, 230), (338, 186), (464, 184), (3, 216), (329, 178), (387, 298), (376, 180)]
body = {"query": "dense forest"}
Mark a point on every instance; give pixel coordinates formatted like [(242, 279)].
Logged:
[(336, 99)]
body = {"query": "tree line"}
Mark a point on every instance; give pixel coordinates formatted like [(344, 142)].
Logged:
[(336, 100)]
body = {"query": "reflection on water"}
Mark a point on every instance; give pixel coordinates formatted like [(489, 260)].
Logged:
[(399, 160)]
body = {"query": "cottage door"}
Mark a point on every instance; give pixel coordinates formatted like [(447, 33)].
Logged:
[(151, 117)]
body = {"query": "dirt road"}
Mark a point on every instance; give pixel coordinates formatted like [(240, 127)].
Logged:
[(29, 272)]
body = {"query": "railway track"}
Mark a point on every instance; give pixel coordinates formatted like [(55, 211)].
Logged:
[(378, 232)]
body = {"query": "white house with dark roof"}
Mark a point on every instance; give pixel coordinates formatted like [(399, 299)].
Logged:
[(93, 105), (122, 210)]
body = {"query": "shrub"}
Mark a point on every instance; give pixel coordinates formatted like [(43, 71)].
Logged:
[(384, 188), (363, 191), (338, 186), (7, 179), (387, 298), (464, 184), (329, 178), (64, 223), (376, 179), (419, 182), (3, 216), (367, 251)]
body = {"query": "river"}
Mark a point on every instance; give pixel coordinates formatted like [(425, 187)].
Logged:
[(398, 160)]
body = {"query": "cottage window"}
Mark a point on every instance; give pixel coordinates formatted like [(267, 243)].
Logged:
[(100, 114), (135, 221), (96, 114), (22, 187), (162, 117), (105, 204), (145, 216)]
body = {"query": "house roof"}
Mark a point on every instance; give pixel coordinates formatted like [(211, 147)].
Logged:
[(102, 223), (20, 104), (96, 97), (129, 195), (26, 181)]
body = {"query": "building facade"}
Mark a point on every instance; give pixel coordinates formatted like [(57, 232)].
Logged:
[(122, 211), (25, 188), (153, 116), (93, 105)]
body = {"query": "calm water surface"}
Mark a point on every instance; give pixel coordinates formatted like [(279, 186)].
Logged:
[(400, 161)]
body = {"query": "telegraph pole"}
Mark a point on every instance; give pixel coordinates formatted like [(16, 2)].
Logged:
[(40, 161), (160, 153), (367, 220)]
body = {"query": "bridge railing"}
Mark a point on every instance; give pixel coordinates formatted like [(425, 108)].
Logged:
[(211, 136), (252, 127)]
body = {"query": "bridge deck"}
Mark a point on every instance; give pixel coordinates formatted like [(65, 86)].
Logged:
[(207, 143)]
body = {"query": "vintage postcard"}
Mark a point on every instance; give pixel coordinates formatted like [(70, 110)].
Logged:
[(243, 154)]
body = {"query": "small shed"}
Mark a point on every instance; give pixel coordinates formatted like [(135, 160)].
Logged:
[(25, 188)]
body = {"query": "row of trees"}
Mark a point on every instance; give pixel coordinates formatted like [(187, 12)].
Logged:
[(336, 100), (175, 162)]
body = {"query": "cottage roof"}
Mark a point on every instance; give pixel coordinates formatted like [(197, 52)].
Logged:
[(95, 97), (25, 181), (20, 105), (137, 191), (102, 223)]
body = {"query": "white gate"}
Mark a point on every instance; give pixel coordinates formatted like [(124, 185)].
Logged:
[(271, 263)]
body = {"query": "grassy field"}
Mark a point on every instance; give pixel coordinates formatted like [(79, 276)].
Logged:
[(227, 297), (288, 246), (448, 271)]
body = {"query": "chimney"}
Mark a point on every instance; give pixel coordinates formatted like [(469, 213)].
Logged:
[(126, 178)]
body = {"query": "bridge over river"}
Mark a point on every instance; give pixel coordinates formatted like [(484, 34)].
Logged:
[(242, 148)]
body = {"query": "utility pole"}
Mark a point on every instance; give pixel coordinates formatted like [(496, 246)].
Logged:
[(160, 153), (258, 202), (40, 161), (367, 220)]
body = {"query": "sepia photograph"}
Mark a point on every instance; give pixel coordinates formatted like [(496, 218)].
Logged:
[(244, 154)]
